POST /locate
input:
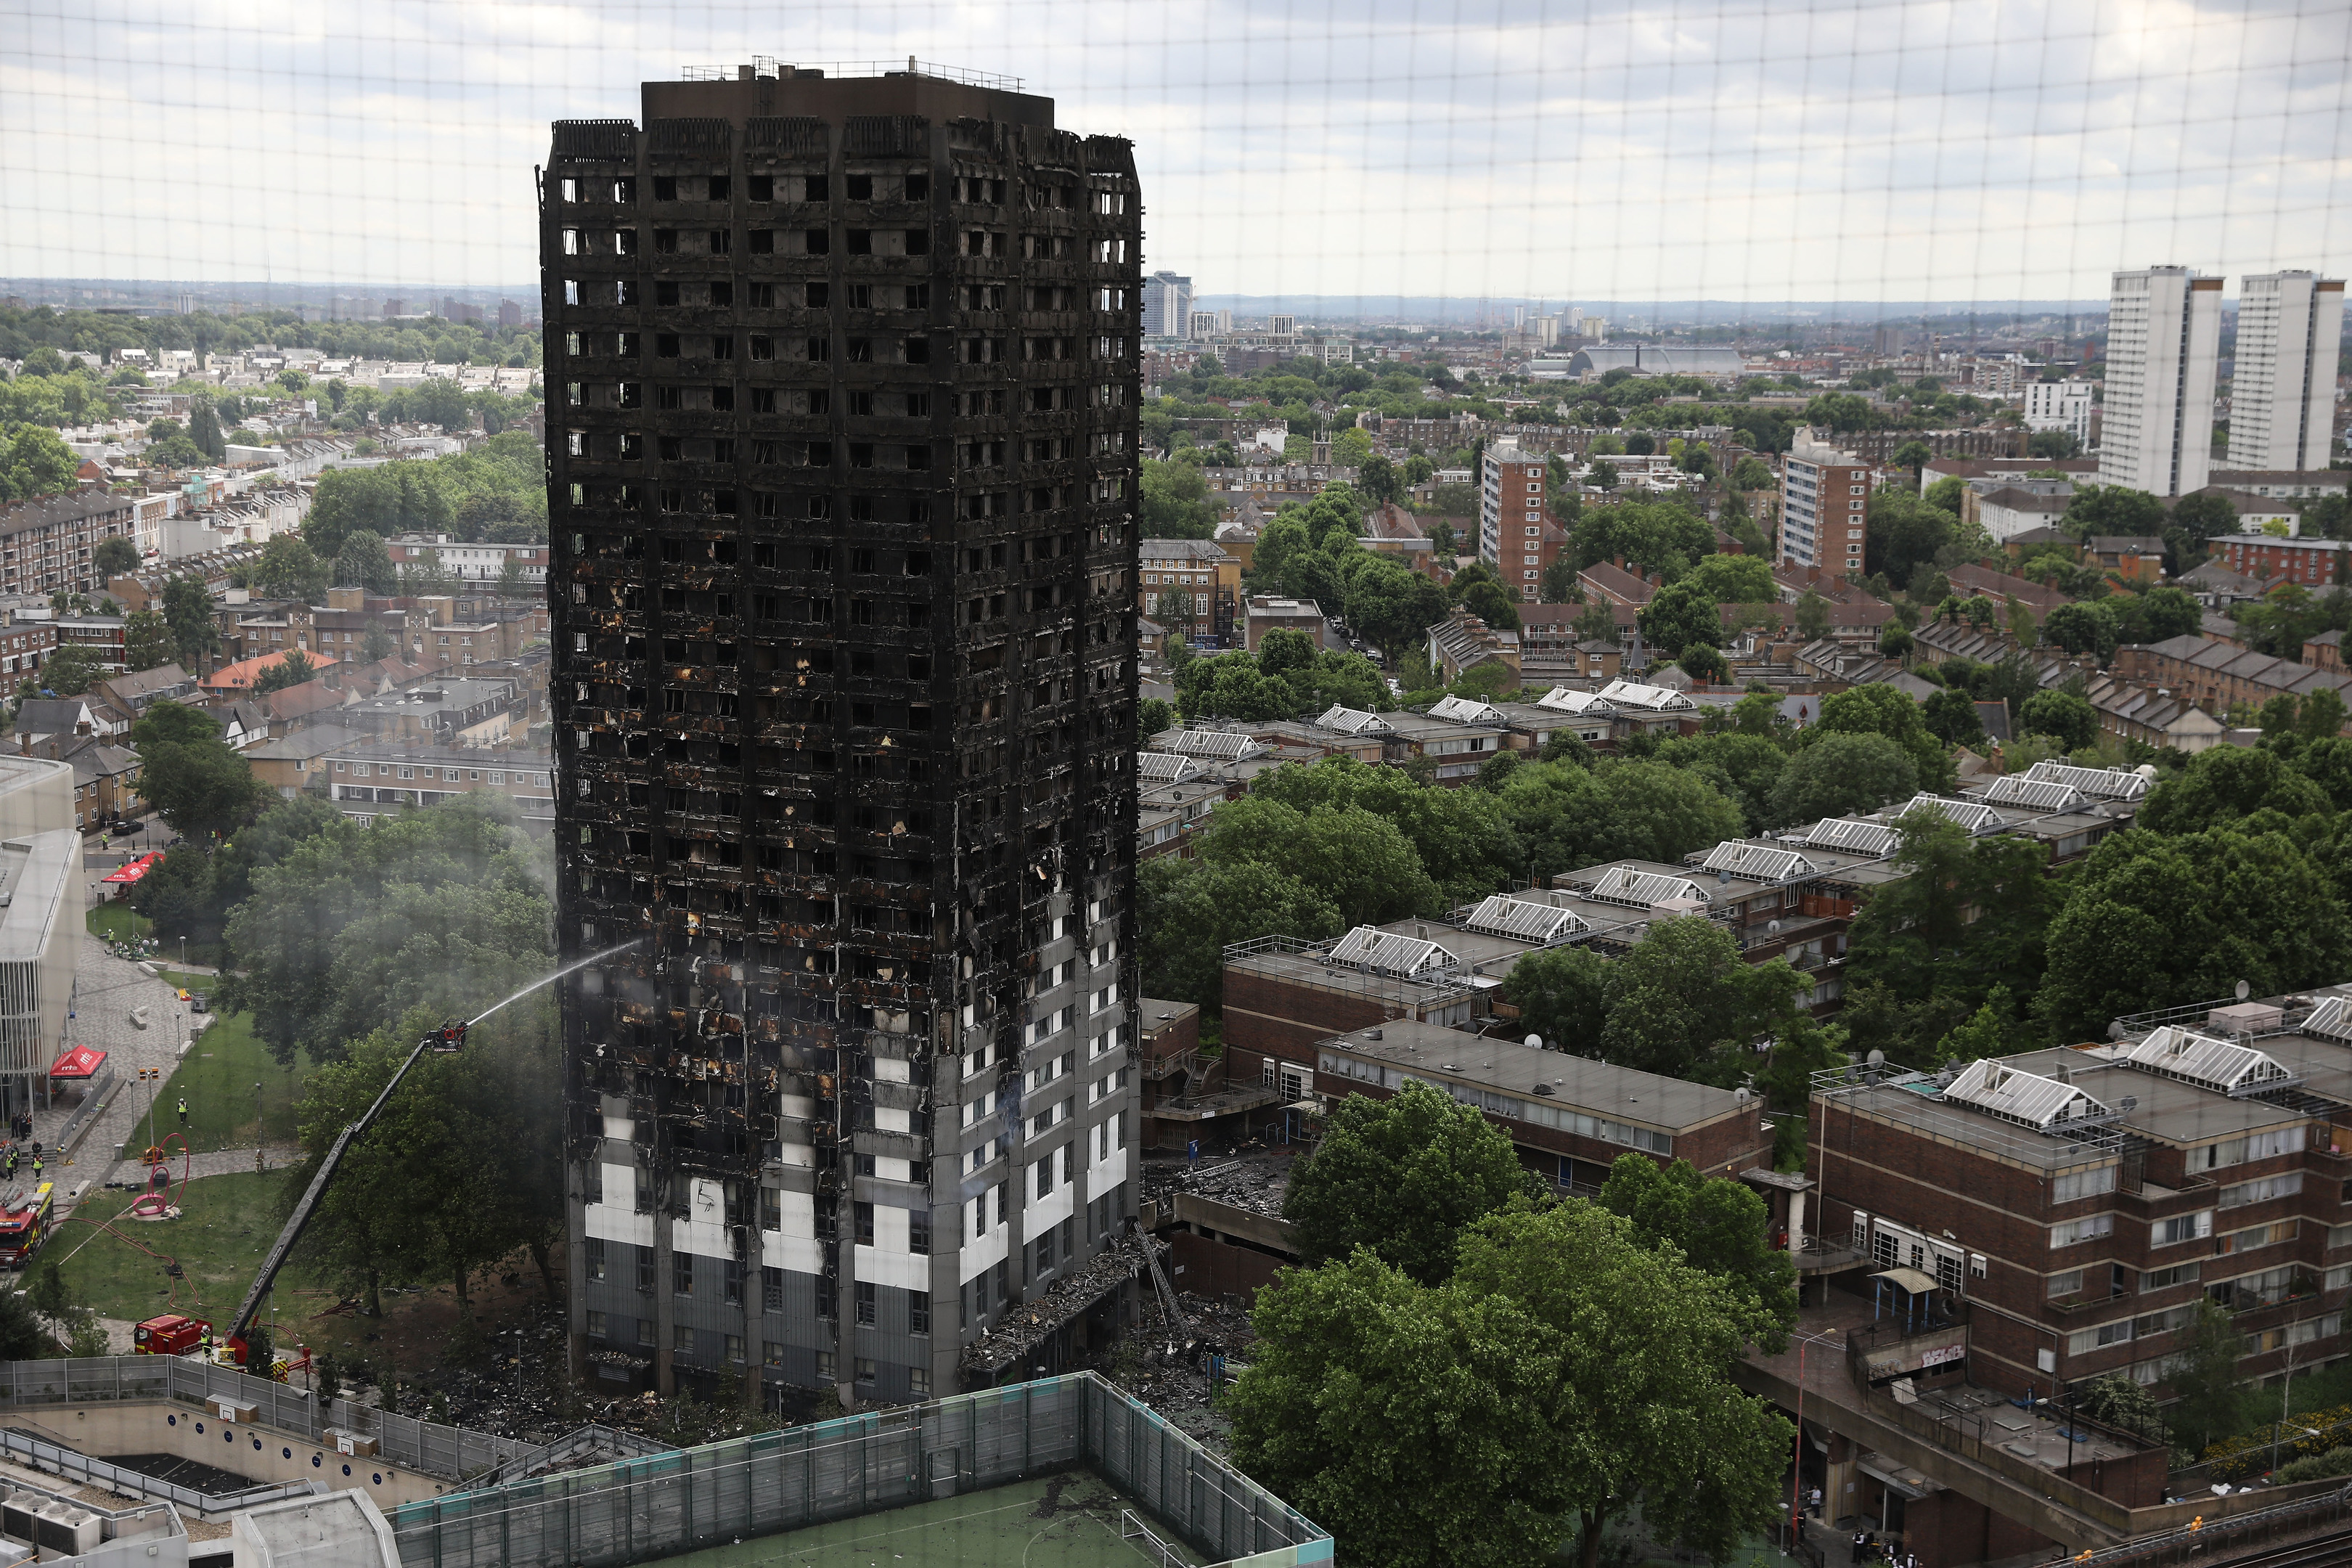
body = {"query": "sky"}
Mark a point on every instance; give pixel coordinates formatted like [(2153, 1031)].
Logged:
[(1975, 151)]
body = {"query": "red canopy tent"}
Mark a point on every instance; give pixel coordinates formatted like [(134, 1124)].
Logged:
[(82, 1061), (130, 871)]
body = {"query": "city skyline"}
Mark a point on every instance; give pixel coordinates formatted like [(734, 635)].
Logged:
[(1778, 153)]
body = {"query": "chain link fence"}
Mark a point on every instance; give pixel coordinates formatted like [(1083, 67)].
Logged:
[(643, 1508)]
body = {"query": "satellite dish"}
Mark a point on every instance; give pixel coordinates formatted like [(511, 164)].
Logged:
[(2242, 989), (1876, 1059), (1740, 1096), (1772, 928), (1533, 1042), (2127, 1104), (2116, 1030)]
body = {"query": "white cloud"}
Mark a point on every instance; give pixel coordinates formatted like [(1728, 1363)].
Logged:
[(1950, 149)]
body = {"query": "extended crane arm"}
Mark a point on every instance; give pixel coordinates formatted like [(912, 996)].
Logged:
[(300, 1218), (447, 1039)]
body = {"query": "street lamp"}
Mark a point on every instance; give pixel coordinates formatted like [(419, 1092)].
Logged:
[(257, 1163)]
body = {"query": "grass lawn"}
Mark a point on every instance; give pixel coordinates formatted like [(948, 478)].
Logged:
[(220, 1240), (217, 1076), (118, 922)]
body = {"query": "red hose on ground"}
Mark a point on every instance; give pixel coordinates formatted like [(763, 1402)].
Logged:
[(154, 1203)]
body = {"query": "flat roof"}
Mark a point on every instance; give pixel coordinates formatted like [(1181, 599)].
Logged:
[(36, 878), (1488, 1061)]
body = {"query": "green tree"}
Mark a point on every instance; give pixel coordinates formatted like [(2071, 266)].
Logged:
[(1644, 1407), (188, 607), (1397, 1415), (1357, 860), (39, 463), (1559, 583), (362, 561), (1597, 624), (2071, 719), (2171, 613), (1684, 993), (1812, 616), (1565, 1375), (1703, 662), (71, 670), (1951, 717), (2114, 510), (1153, 716), (1903, 531), (2219, 786), (1477, 589), (1402, 1178), (1840, 774), (1460, 837), (2052, 443), (1966, 921), (21, 1338), (377, 643), (189, 773), (47, 1292), (1883, 710), (1678, 614), (460, 1169), (1190, 911), (1734, 579), (1565, 816), (147, 641), (2081, 628), (2121, 1402), (1718, 1224), (204, 430), (429, 907), (1377, 478), (115, 557), (2223, 905), (292, 670), (1391, 604), (2208, 1399), (1175, 501), (288, 569)]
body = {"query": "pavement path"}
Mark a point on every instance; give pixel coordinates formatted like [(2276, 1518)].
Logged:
[(106, 991)]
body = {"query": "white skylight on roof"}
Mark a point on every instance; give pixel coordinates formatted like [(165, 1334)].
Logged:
[(2205, 1060), (1757, 862), (1999, 1090), (1851, 835), (1503, 915)]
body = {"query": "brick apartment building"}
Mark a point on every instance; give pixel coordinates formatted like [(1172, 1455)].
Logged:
[(2219, 676), (1199, 568), (2078, 1203), (1513, 513), (2312, 564), (1825, 492)]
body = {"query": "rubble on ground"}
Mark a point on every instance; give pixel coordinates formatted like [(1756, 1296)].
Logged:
[(1255, 1179), (1024, 1327)]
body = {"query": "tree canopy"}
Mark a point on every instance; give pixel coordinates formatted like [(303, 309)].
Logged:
[(1402, 1178), (1565, 1374)]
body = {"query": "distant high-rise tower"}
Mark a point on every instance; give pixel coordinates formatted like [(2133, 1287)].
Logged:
[(1167, 305), (2164, 336), (842, 483), (2282, 395)]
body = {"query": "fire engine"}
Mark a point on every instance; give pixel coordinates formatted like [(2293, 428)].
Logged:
[(24, 1224), (170, 1335)]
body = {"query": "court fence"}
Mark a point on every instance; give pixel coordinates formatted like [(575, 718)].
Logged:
[(643, 1508)]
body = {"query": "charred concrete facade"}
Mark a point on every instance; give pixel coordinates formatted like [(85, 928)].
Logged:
[(842, 487)]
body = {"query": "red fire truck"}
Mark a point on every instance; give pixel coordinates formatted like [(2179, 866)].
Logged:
[(24, 1224), (171, 1335)]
